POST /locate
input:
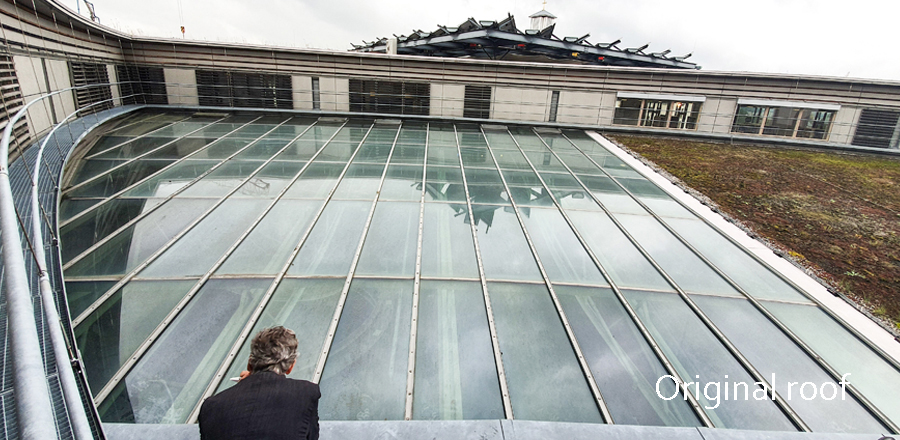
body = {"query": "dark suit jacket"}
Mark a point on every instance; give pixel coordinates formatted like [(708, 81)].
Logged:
[(263, 406)]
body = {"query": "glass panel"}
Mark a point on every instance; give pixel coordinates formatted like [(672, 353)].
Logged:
[(699, 358), (444, 184), (292, 129), (623, 262), (135, 244), (171, 180), (267, 248), (495, 194), (360, 182), (557, 143), (544, 378), (642, 188), (253, 131), (119, 179), (333, 241), (69, 208), (372, 152), (130, 150), (299, 150), (111, 334), (447, 246), (80, 295), (580, 164), (628, 111), (504, 252), (262, 149), (412, 136), (562, 255), (89, 168), (753, 277), (442, 155), (524, 178), (316, 182), (408, 154), (168, 381), (611, 195), (685, 268), (531, 196), (390, 247), (78, 236), (338, 151), (472, 138), (527, 139), (179, 129), (476, 157), (667, 208), (624, 365), (402, 183), (113, 140), (196, 252), (545, 161), (222, 180), (456, 377), (304, 306), (222, 149), (180, 148), (365, 375), (500, 140), (774, 355), (511, 160), (482, 176), (270, 180), (871, 375)]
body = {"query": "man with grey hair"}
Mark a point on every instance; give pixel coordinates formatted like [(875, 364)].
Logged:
[(265, 404)]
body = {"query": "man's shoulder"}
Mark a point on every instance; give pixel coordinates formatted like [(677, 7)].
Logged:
[(304, 385)]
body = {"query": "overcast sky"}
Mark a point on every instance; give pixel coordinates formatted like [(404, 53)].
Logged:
[(818, 37)]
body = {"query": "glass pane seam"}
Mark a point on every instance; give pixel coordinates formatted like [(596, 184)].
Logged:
[(414, 324), (137, 137)]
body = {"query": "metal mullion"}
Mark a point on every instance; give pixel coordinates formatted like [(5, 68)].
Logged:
[(152, 257), (245, 332), (865, 341), (160, 171), (414, 326), (145, 213), (136, 356), (743, 361), (112, 132), (573, 340), (434, 278), (756, 303), (495, 343), (136, 158), (264, 301), (332, 329), (645, 332)]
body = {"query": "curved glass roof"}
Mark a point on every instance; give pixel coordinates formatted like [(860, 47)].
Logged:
[(435, 270)]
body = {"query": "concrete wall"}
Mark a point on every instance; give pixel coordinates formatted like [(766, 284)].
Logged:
[(447, 100), (334, 93), (302, 92), (520, 104), (844, 125), (579, 107), (181, 84)]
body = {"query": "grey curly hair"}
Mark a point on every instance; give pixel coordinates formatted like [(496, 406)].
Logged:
[(273, 349)]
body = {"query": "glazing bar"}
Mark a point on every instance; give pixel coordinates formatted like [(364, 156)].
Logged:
[(501, 372), (112, 132), (585, 368), (414, 326)]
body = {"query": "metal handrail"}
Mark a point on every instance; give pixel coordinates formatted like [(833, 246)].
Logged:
[(34, 411)]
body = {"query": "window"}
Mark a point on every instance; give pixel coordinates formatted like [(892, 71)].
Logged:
[(393, 97), (554, 105), (876, 128), (89, 73), (238, 89), (477, 102), (142, 85), (316, 96), (782, 119), (657, 111)]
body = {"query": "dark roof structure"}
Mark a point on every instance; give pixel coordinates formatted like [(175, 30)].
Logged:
[(499, 40)]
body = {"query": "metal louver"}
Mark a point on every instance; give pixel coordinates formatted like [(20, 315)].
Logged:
[(84, 74), (11, 97), (876, 128), (238, 89), (142, 85), (477, 102), (392, 97)]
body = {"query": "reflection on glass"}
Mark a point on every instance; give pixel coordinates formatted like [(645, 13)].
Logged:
[(316, 182), (625, 367), (456, 377), (545, 380), (262, 149), (196, 252), (685, 267), (304, 306), (267, 248), (81, 294), (447, 246), (444, 184), (772, 353), (270, 180), (623, 262), (402, 183), (222, 149), (180, 148), (871, 375), (168, 381), (504, 251), (129, 150), (111, 334), (390, 247), (562, 255), (78, 236), (132, 246), (119, 179), (360, 182), (698, 356), (171, 180), (333, 241), (365, 374), (755, 279)]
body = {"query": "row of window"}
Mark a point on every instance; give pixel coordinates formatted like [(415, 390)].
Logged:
[(144, 84)]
